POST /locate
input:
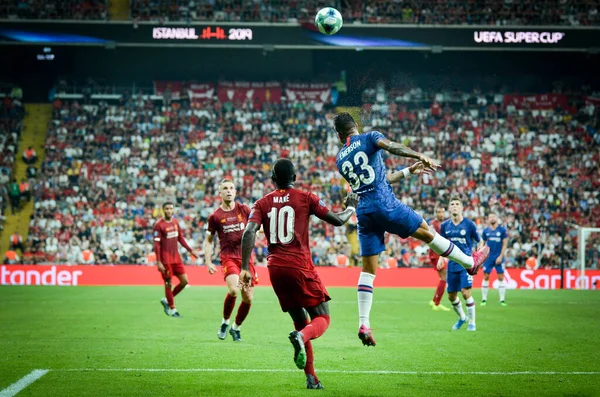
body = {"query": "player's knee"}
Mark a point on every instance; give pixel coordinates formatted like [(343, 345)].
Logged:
[(233, 292), (183, 283)]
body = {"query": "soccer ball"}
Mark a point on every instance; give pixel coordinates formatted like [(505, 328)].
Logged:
[(328, 20)]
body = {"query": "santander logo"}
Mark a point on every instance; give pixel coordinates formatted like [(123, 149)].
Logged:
[(36, 276), (531, 279)]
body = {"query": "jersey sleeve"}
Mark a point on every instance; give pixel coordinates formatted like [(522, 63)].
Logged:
[(504, 233), (474, 235), (484, 235), (156, 232), (373, 138), (255, 214), (317, 206), (443, 230), (211, 227)]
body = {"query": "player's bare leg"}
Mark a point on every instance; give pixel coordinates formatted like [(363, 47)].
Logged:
[(502, 288), (365, 298), (229, 304), (485, 284), (302, 336), (183, 282), (439, 292), (447, 249)]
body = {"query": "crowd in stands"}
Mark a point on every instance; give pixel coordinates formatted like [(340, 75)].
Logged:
[(490, 12), (109, 167), (55, 9), (11, 124)]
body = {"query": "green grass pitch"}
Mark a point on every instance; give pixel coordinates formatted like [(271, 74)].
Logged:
[(102, 341)]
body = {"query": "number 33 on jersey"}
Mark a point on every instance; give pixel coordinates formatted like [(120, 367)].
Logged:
[(285, 215), (361, 165)]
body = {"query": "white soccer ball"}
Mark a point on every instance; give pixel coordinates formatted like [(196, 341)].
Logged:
[(329, 20)]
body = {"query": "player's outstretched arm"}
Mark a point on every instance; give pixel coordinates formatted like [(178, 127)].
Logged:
[(415, 169), (208, 253), (340, 218), (401, 150)]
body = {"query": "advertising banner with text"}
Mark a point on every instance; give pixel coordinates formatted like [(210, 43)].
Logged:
[(539, 102), (248, 35), (331, 276), (257, 92)]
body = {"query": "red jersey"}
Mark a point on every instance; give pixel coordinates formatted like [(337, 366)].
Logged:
[(285, 214), (166, 236), (229, 225), (433, 257)]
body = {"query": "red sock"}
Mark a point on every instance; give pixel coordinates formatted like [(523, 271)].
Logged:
[(242, 312), (178, 289), (316, 327), (310, 361), (228, 306), (169, 296), (439, 292)]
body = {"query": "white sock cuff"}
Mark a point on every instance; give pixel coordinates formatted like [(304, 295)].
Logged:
[(366, 278), (470, 300), (439, 245), (456, 301), (501, 283), (485, 283)]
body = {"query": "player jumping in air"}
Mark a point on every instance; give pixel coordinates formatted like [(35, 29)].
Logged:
[(229, 221), (435, 304), (496, 238), (284, 214), (167, 233), (463, 233), (379, 211)]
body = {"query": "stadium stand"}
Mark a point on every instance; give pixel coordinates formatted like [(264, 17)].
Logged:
[(110, 163), (491, 12), (57, 9)]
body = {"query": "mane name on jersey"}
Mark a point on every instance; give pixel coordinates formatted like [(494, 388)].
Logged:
[(281, 200), (349, 149)]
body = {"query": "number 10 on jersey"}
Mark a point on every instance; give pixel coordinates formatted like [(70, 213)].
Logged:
[(355, 181), (281, 226)]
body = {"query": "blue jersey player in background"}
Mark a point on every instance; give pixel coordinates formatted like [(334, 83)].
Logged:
[(496, 238), (379, 211), (463, 234)]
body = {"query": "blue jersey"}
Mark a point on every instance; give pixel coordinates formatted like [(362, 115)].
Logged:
[(493, 238), (464, 236), (360, 163)]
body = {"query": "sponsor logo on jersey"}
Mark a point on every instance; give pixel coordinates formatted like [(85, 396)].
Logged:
[(173, 234)]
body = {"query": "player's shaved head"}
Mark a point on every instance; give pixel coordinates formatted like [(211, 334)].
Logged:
[(344, 124), (283, 173)]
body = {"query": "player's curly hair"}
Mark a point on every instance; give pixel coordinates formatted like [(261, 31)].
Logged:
[(344, 124), (283, 173)]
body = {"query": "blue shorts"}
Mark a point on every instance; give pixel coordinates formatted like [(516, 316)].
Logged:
[(490, 264), (459, 280), (403, 221)]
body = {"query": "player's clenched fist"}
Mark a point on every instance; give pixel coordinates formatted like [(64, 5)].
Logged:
[(351, 200)]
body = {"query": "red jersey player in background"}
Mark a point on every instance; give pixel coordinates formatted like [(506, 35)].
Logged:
[(284, 214), (166, 235), (229, 221), (436, 223)]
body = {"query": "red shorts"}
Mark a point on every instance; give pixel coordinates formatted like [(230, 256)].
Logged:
[(175, 269), (297, 288), (234, 266)]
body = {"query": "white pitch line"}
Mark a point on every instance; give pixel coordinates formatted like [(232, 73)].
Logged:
[(22, 383), (331, 371)]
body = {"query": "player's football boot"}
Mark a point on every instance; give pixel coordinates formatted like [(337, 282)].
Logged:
[(502, 303), (165, 306), (311, 383), (479, 258), (175, 313), (444, 308), (459, 324), (472, 328), (299, 349), (483, 303), (222, 334), (364, 334), (235, 334)]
